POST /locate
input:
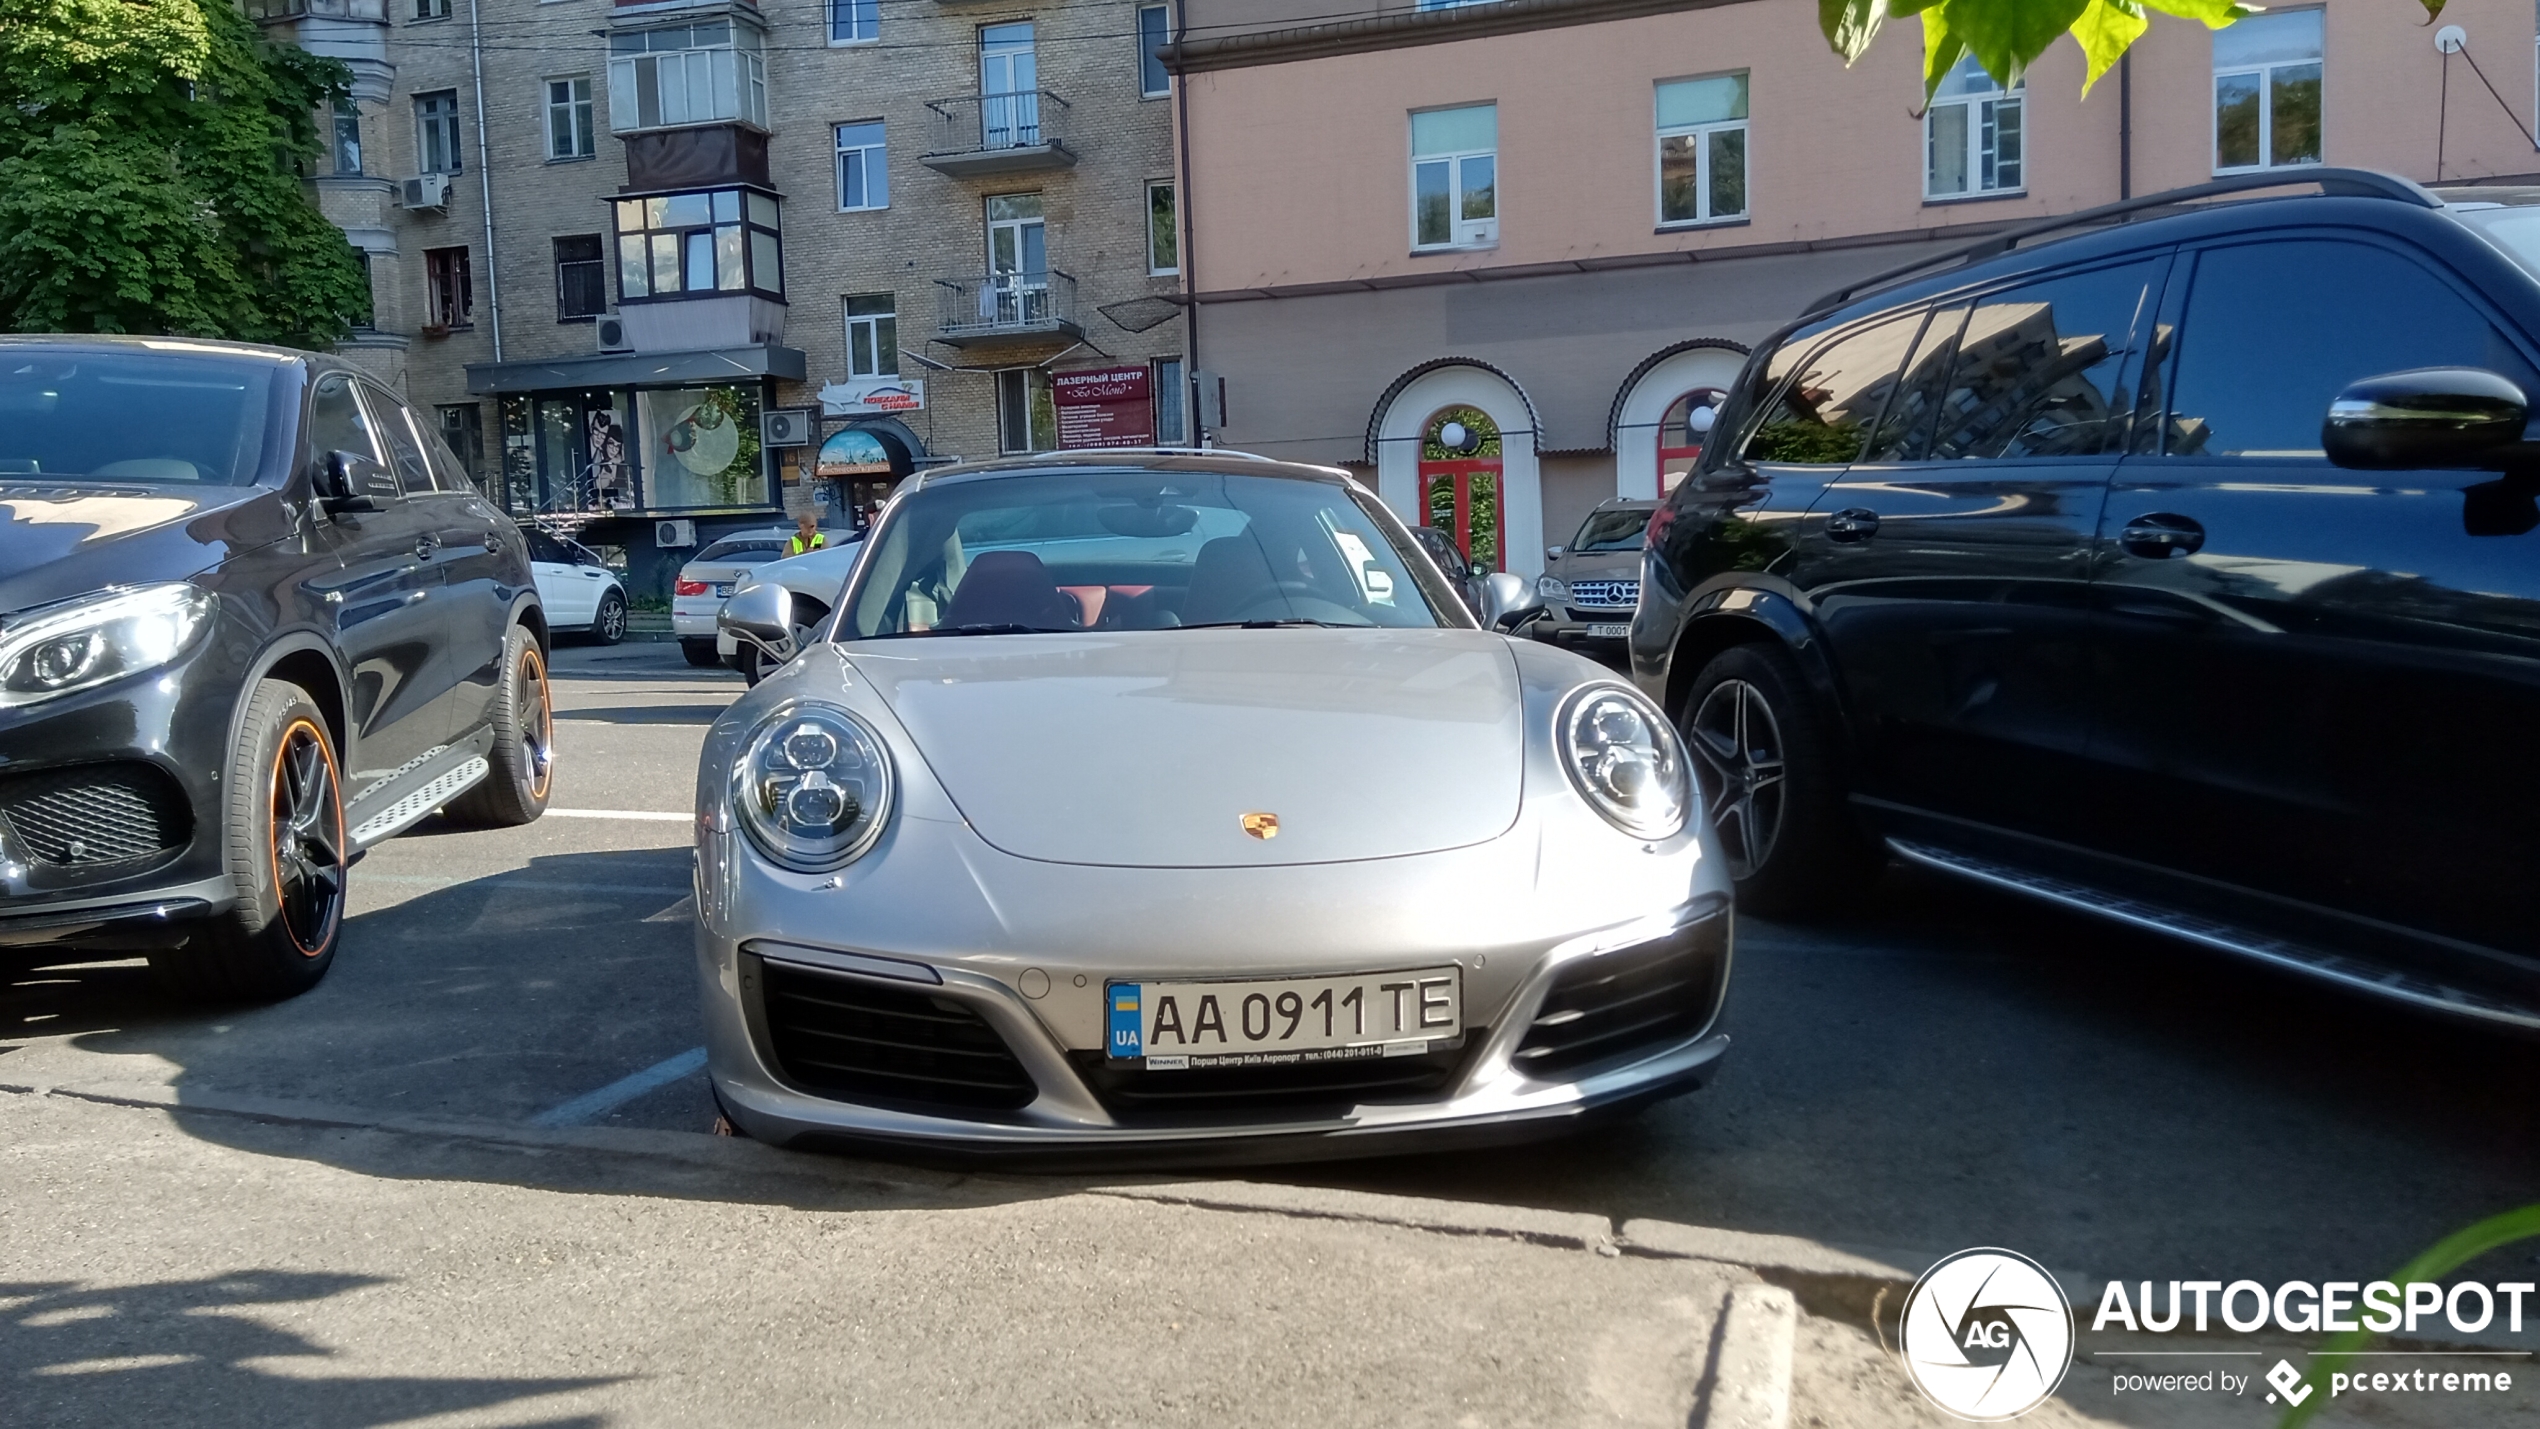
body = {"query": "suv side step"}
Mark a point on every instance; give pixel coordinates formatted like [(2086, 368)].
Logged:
[(2266, 948)]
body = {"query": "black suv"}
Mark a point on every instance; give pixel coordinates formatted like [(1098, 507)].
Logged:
[(253, 619), (2185, 570)]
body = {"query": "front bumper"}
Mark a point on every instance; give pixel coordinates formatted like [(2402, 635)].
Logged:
[(1567, 626)]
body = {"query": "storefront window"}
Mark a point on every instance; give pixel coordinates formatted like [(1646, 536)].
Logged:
[(679, 245), (701, 447)]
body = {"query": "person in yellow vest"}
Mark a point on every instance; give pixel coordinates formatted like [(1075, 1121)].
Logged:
[(807, 536)]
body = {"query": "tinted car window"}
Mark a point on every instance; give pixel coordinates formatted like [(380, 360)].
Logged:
[(1611, 531), (405, 454), (131, 416), (1822, 406), (739, 550), (2035, 370), (543, 547), (2275, 330), (1904, 430), (336, 422)]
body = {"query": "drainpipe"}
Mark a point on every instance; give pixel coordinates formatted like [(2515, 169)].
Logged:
[(2125, 123), (1182, 210), (485, 177)]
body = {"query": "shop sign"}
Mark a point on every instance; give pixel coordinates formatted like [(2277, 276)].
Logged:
[(868, 396), (1104, 407), (853, 452)]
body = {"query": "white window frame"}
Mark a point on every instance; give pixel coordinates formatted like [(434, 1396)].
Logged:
[(713, 83), (1165, 12), (1462, 234), (2265, 75), (877, 161), (582, 117), (1984, 109), (1030, 380), (1155, 269), (874, 343), (863, 22), (1702, 163), (439, 130)]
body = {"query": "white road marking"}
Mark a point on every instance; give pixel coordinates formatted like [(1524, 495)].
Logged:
[(590, 1106), (647, 815), (683, 911), (522, 885)]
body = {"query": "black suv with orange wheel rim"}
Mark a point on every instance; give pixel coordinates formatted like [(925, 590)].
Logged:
[(254, 618)]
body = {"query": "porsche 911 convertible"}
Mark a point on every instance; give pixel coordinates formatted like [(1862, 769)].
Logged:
[(1176, 804)]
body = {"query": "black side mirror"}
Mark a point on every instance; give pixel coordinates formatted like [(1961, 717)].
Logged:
[(336, 491), (2424, 417)]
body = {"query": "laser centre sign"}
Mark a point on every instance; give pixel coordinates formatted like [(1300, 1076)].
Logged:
[(1104, 407)]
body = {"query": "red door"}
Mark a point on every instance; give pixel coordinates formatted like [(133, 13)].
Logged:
[(1461, 497)]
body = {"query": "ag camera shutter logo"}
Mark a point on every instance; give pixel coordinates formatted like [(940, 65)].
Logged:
[(1987, 1335)]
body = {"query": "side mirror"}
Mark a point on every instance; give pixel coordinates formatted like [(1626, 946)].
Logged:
[(337, 492), (2424, 417), (763, 616), (1552, 553), (1507, 600)]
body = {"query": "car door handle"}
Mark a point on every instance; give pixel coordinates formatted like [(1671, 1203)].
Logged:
[(1857, 523), (493, 544), (2161, 536), (426, 544)]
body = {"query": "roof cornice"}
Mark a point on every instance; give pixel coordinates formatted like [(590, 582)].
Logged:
[(1408, 28)]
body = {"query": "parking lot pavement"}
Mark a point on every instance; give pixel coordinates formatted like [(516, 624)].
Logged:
[(1942, 1068)]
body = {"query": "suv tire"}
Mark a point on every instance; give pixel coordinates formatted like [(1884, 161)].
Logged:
[(1766, 756), (608, 623), (524, 752)]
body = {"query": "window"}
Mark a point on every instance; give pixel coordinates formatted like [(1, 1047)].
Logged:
[(1155, 31), (686, 74), (1027, 417), (1682, 430), (2255, 376), (346, 146), (2034, 370), (1455, 177), (432, 9), (437, 132), (1702, 149), (864, 179), (873, 336), (1823, 395), (2267, 91), (1172, 404), (726, 241), (1009, 87), (1017, 292), (582, 282), (569, 129), (463, 431), (336, 423), (704, 447), (1971, 135), (854, 22), (449, 298), (405, 447), (1164, 239)]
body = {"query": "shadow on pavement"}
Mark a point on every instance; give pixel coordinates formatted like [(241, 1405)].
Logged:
[(187, 1351)]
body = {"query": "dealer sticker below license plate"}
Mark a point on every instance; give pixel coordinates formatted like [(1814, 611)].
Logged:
[(1178, 1025), (1608, 632)]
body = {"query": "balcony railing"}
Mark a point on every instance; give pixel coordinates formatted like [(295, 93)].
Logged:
[(999, 133), (1003, 306)]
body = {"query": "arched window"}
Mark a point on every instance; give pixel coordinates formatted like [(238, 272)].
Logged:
[(1682, 432)]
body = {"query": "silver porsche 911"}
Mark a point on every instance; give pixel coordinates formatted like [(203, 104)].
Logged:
[(1176, 803)]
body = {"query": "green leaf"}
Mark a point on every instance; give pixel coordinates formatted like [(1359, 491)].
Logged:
[(1941, 50), (2215, 13), (2105, 30), (2440, 1259), (1850, 25), (2006, 35)]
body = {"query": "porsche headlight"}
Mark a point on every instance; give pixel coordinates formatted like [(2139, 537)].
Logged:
[(1626, 760), (99, 638), (814, 789)]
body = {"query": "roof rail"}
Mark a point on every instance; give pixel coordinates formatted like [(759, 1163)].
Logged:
[(2343, 183)]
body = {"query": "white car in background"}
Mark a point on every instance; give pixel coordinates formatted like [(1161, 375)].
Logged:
[(706, 580), (814, 578), (581, 594)]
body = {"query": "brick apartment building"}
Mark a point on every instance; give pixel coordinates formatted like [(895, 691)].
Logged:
[(604, 238)]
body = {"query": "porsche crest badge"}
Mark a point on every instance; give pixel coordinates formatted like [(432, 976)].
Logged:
[(1262, 826)]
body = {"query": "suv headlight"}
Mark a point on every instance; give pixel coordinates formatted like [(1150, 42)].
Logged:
[(1625, 758), (1552, 588), (814, 790), (98, 638)]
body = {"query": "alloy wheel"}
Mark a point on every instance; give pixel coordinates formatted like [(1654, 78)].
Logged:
[(612, 621), (1737, 755), (534, 716), (308, 838)]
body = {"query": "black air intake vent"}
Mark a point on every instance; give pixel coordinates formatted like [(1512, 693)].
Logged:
[(861, 1041), (1631, 1000), (93, 814)]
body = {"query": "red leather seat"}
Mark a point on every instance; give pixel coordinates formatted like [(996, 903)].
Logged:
[(1010, 588)]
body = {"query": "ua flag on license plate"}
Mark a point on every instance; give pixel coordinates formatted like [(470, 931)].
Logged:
[(1126, 1028)]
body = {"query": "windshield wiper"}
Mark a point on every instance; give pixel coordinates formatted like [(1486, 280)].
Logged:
[(1007, 628), (1276, 624)]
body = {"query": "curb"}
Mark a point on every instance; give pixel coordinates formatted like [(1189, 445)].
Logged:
[(1751, 1353)]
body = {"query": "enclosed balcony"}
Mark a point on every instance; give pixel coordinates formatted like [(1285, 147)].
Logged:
[(998, 134), (1006, 307)]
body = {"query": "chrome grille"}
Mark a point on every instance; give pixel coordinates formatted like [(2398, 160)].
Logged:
[(1605, 595), (94, 814)]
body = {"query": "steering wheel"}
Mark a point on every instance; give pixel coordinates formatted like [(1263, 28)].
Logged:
[(1285, 593)]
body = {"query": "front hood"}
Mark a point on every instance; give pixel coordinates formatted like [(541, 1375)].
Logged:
[(61, 541), (1596, 565), (1147, 749)]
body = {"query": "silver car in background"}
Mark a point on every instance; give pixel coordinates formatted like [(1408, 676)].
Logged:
[(706, 581), (1177, 805), (812, 580)]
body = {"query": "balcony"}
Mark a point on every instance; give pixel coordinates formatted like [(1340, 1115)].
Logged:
[(1007, 307), (998, 134)]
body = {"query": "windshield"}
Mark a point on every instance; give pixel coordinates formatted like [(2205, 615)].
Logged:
[(1116, 550), (132, 416), (742, 550), (1611, 531), (2516, 230)]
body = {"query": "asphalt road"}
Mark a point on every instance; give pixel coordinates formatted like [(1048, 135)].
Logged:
[(1940, 1067)]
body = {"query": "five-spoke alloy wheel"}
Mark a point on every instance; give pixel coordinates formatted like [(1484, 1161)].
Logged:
[(1765, 755)]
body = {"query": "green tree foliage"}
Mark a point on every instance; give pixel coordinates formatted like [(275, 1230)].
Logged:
[(149, 176), (2006, 36)]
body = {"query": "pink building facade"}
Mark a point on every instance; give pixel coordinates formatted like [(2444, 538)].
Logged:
[(1556, 224)]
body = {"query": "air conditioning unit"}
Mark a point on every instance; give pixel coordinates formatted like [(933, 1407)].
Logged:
[(612, 333), (674, 535), (785, 427), (424, 191)]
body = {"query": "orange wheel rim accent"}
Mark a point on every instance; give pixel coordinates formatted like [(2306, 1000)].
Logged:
[(539, 743), (302, 822)]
